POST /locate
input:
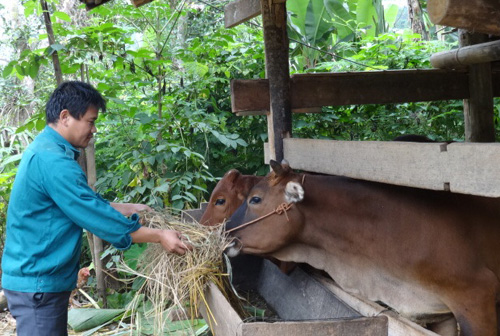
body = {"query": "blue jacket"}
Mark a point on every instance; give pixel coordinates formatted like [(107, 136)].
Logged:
[(49, 206)]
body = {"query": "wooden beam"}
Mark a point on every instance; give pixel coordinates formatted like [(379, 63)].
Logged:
[(240, 11), (481, 16), (463, 56), (373, 87), (90, 4), (139, 3), (468, 168)]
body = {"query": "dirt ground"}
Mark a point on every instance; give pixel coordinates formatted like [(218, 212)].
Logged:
[(7, 324)]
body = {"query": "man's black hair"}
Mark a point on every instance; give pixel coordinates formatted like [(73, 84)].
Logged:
[(74, 96)]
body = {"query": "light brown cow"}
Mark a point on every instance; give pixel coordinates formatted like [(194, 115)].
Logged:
[(227, 196), (419, 251)]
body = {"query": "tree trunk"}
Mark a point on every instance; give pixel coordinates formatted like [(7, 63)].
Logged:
[(416, 18), (50, 34)]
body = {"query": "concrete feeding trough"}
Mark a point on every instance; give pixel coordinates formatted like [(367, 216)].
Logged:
[(304, 306)]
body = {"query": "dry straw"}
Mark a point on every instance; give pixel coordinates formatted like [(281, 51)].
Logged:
[(175, 284)]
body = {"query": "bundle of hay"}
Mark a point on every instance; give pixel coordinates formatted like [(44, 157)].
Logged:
[(174, 282)]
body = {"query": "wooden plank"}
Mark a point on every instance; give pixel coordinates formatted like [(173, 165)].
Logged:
[(90, 4), (378, 87), (345, 327), (346, 88), (468, 168), (401, 163), (473, 168), (240, 11), (397, 325), (218, 313), (474, 15), (251, 97), (139, 3)]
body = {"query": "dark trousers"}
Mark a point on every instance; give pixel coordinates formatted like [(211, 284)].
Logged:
[(39, 314)]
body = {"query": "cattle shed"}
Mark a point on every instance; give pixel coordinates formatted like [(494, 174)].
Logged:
[(471, 73)]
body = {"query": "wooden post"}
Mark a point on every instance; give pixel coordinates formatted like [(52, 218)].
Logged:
[(478, 109), (98, 245), (277, 70)]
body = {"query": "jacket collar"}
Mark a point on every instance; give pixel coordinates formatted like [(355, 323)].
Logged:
[(69, 150)]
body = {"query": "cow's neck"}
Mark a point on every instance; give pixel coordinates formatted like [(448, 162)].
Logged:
[(336, 205)]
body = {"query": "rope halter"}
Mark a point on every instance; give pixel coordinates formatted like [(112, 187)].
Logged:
[(281, 209)]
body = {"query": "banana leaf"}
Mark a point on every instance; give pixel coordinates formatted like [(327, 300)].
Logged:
[(81, 319)]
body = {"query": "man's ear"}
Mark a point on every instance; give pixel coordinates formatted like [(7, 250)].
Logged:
[(64, 117)]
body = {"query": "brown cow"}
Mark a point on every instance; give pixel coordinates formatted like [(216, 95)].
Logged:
[(227, 196), (419, 251)]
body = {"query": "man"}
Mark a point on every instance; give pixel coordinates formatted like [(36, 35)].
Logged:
[(49, 206)]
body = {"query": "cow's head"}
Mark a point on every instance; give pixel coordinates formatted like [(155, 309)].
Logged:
[(227, 196), (267, 235)]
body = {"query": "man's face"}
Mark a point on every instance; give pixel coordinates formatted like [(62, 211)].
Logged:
[(79, 132)]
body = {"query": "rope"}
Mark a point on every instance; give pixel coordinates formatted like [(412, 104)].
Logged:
[(282, 208)]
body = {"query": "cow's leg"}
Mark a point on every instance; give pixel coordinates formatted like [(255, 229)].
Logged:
[(473, 302)]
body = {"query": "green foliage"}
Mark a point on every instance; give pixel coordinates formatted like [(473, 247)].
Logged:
[(315, 25), (12, 145), (440, 120)]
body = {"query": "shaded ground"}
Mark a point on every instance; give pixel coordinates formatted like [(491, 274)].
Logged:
[(7, 324)]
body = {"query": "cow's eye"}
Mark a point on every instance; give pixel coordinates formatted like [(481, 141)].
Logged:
[(220, 201), (255, 200)]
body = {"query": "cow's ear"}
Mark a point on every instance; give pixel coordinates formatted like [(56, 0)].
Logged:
[(232, 175), (277, 168), (294, 192), (285, 165)]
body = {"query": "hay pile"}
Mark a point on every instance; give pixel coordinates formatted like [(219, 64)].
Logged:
[(174, 282)]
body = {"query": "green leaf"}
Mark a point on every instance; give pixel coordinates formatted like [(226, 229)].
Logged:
[(61, 15), (86, 318), (29, 8), (57, 46), (10, 159), (391, 14), (33, 69), (8, 69), (165, 187)]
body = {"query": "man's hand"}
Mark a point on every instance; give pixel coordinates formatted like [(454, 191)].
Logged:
[(173, 241), (127, 209), (170, 240)]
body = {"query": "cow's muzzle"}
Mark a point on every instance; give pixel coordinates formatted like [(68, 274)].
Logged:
[(233, 249)]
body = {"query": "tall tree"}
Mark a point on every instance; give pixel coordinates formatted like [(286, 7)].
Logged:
[(415, 14), (52, 41)]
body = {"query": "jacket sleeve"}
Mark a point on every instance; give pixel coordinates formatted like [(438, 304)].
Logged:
[(66, 183)]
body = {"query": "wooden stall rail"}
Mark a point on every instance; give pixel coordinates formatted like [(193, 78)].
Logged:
[(309, 91), (468, 168)]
